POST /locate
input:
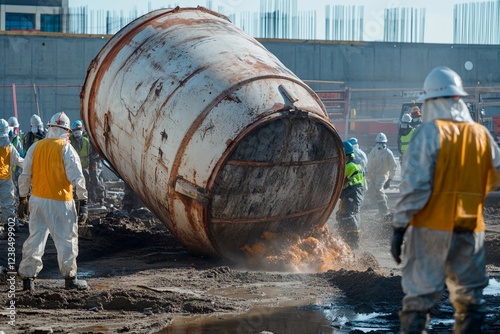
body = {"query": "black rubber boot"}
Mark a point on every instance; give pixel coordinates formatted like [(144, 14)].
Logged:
[(470, 322), (74, 283), (413, 322), (29, 284)]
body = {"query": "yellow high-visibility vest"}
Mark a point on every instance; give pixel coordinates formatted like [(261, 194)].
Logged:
[(48, 175), (353, 175), (5, 162), (405, 140), (463, 176)]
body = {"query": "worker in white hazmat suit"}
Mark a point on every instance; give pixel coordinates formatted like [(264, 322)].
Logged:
[(37, 133), (451, 164), (15, 137), (380, 171), (51, 206), (9, 157)]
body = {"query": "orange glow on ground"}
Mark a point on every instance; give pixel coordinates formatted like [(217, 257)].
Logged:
[(318, 252)]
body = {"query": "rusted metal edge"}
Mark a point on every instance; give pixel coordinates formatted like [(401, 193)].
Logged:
[(275, 115), (284, 163), (267, 219), (191, 190), (219, 15), (201, 117)]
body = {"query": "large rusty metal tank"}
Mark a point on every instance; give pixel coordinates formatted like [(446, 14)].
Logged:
[(213, 133)]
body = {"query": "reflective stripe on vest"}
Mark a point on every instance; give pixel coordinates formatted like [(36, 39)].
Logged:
[(353, 175), (5, 162), (405, 140), (463, 175), (48, 175)]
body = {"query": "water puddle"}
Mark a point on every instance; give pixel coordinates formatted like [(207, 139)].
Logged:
[(288, 320), (333, 317), (86, 273), (493, 288)]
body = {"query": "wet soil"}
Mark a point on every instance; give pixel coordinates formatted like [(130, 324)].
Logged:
[(143, 281)]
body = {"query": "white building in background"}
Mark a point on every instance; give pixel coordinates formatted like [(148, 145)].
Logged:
[(34, 15), (404, 25), (473, 22), (344, 23), (477, 23)]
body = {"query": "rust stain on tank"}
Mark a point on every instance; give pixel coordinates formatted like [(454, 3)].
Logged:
[(233, 98), (164, 135)]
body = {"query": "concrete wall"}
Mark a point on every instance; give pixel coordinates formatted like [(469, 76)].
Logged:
[(386, 65), (57, 65)]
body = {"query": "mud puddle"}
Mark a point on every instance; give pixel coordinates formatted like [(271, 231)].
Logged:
[(333, 317), (311, 319)]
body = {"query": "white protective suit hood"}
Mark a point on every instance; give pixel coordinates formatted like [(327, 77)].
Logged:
[(57, 132), (4, 141), (446, 108)]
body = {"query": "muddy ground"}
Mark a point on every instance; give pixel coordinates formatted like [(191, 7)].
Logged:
[(143, 281)]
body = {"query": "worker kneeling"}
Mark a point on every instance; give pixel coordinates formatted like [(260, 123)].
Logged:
[(350, 199), (51, 206)]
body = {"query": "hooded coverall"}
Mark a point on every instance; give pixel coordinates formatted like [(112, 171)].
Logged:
[(360, 157), (16, 170), (29, 138), (52, 209), (9, 157), (451, 165), (381, 167)]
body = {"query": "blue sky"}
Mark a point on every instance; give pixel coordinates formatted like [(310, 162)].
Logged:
[(439, 13)]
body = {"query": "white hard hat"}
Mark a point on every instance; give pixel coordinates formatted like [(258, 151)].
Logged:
[(4, 128), (406, 118), (13, 122), (381, 138), (35, 120), (442, 82), (59, 120)]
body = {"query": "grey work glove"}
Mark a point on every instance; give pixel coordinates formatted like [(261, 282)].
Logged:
[(396, 244), (23, 207), (387, 184), (83, 211)]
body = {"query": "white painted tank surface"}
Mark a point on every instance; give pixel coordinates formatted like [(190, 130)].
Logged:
[(213, 133)]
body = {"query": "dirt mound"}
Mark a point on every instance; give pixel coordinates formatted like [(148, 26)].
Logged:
[(142, 300), (116, 230), (368, 286)]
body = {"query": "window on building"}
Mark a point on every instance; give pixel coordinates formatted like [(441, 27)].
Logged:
[(19, 21), (51, 23)]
